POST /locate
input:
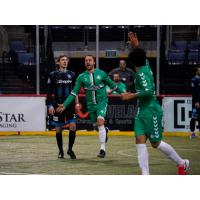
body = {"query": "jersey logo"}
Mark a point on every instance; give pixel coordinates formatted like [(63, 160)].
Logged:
[(94, 87), (63, 81)]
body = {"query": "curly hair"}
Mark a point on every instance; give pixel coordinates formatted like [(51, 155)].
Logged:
[(137, 57)]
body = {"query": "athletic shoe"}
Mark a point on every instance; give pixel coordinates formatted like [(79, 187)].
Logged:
[(192, 135), (71, 154), (61, 154), (183, 169), (106, 133), (101, 154)]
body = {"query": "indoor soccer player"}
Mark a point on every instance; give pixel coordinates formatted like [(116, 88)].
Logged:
[(195, 103), (94, 82), (60, 84), (148, 119)]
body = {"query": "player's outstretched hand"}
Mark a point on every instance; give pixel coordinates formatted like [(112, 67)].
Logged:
[(127, 96), (60, 108), (51, 110), (133, 39)]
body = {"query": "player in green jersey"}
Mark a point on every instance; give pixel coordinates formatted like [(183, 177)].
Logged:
[(94, 82), (148, 121)]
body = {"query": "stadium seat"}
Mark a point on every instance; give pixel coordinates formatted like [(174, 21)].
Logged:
[(193, 57), (194, 46), (26, 58), (26, 65), (17, 46), (179, 45), (176, 57)]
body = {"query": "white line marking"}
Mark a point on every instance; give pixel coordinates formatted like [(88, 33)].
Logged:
[(123, 153), (16, 173)]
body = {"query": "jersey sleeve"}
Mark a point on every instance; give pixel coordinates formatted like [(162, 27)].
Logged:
[(74, 92), (50, 90), (146, 88), (111, 84)]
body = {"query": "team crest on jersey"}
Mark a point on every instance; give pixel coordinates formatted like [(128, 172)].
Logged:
[(98, 77), (69, 76)]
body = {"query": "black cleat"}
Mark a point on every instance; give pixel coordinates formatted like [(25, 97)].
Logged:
[(71, 154), (61, 155), (101, 154), (106, 133)]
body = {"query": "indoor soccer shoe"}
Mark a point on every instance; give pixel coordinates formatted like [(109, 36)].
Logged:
[(71, 154), (183, 169), (192, 136), (106, 133), (101, 154), (61, 154)]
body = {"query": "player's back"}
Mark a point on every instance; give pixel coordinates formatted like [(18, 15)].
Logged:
[(144, 85)]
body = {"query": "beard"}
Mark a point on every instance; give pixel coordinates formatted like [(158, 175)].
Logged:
[(89, 67)]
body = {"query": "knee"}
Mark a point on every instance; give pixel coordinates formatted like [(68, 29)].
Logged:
[(72, 127), (155, 144), (141, 139)]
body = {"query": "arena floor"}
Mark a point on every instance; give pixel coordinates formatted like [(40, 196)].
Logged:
[(38, 155)]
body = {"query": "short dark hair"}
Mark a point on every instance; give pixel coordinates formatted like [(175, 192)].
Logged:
[(61, 56), (90, 56), (137, 57)]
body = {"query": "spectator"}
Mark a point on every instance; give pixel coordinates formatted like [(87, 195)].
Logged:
[(117, 80), (127, 75)]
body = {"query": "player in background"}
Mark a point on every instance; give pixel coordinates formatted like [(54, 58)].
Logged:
[(148, 123), (59, 86), (94, 82), (118, 82), (195, 103)]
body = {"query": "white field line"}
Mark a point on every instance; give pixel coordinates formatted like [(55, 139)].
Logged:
[(123, 152), (16, 173)]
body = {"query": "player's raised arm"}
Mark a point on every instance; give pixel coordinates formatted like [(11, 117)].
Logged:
[(133, 39)]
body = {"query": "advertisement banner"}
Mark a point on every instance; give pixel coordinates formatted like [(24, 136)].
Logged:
[(177, 114), (120, 114), (22, 114)]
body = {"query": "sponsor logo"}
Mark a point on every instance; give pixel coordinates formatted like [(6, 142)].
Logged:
[(63, 81), (10, 120)]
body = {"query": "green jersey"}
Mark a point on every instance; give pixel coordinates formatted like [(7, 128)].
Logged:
[(95, 86), (145, 87), (121, 85), (148, 120)]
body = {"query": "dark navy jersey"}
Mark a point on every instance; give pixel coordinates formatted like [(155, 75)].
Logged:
[(195, 90), (59, 86)]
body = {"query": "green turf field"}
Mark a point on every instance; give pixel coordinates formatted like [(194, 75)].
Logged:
[(38, 155)]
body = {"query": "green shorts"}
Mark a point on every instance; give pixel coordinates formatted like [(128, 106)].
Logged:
[(149, 123), (98, 111)]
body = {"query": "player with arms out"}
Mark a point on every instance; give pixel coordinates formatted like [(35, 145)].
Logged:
[(148, 123), (94, 82), (59, 86)]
